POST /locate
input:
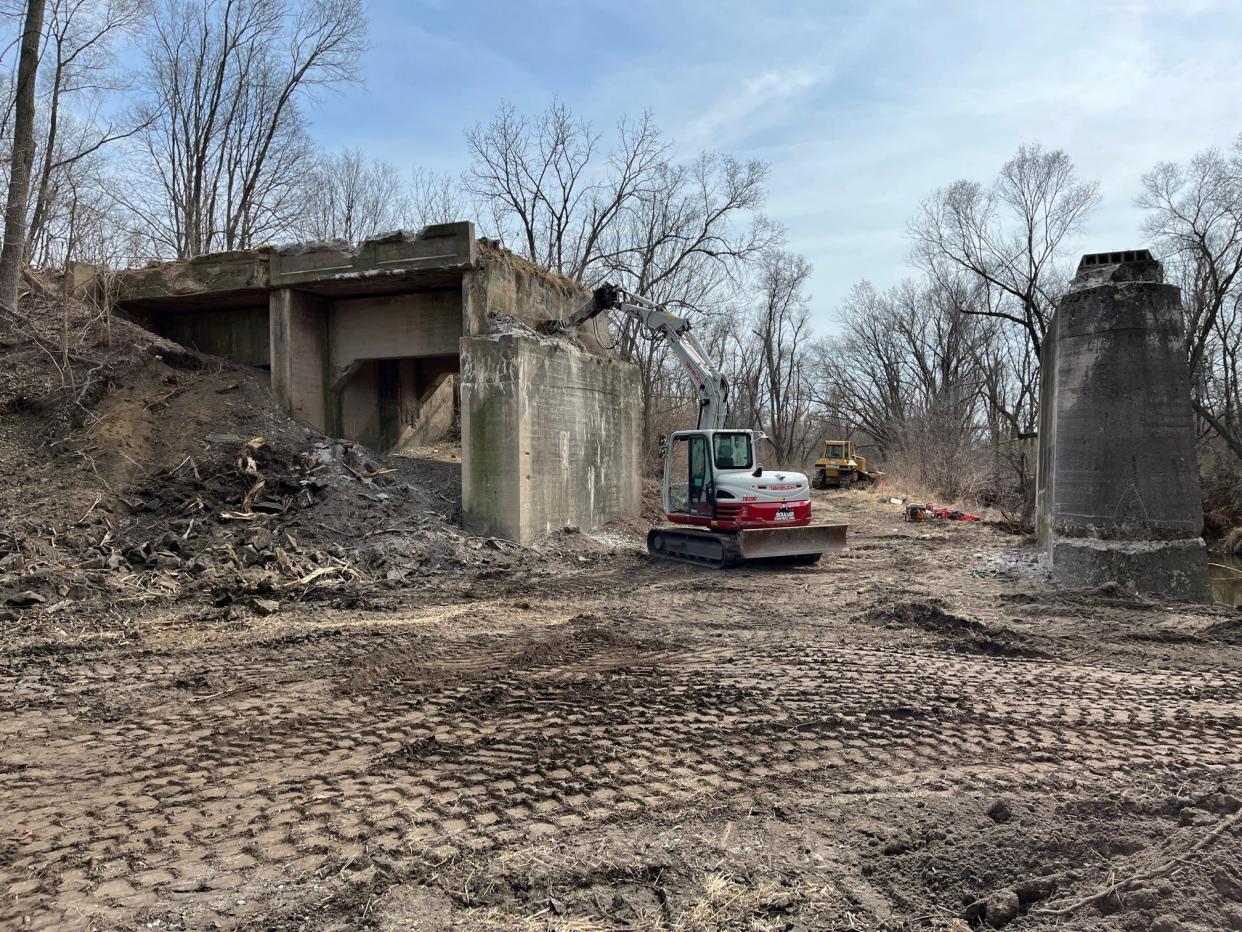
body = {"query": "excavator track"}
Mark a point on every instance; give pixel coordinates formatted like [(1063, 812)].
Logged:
[(688, 545)]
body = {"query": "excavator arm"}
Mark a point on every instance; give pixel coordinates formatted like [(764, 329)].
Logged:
[(713, 386)]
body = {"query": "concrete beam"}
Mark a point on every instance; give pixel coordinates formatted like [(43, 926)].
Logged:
[(219, 279), (377, 263), (393, 326)]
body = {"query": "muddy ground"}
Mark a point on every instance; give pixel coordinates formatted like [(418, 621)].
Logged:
[(915, 733)]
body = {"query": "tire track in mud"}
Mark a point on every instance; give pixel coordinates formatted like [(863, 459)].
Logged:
[(401, 748)]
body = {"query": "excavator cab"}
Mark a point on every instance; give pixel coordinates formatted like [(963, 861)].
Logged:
[(688, 476)]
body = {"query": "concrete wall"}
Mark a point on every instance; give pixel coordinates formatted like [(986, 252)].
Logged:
[(1119, 479), (240, 334), (399, 404), (550, 437), (1045, 457), (432, 418)]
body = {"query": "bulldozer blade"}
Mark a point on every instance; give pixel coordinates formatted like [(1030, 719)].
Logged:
[(762, 543)]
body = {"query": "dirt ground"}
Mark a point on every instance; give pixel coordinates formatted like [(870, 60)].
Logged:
[(273, 685), (915, 733)]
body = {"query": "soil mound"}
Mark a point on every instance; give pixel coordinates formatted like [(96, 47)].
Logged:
[(957, 633)]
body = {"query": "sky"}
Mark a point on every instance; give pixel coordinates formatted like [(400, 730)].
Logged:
[(860, 109)]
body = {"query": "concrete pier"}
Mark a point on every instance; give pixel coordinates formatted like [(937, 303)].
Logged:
[(1118, 481)]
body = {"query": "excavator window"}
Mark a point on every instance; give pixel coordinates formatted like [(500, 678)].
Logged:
[(835, 451), (733, 451), (689, 475), (698, 473)]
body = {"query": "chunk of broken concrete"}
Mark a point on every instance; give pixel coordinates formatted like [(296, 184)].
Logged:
[(1001, 908)]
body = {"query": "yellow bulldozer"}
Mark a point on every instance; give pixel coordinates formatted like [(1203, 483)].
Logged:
[(839, 468)]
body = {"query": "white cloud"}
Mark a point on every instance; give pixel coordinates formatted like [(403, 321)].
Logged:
[(743, 109)]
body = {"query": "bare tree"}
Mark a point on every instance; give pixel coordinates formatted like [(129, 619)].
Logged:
[(549, 189), (1008, 234), (79, 57), (348, 196), (686, 242), (435, 198), (21, 160), (225, 143), (681, 233), (1195, 218), (862, 374), (908, 371), (773, 358)]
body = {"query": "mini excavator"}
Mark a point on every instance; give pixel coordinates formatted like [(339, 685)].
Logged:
[(724, 508)]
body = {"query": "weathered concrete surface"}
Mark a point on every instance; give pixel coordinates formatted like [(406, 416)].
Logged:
[(241, 334), (436, 251), (550, 437), (1118, 489), (430, 416), (433, 257), (395, 326), (298, 332), (237, 276)]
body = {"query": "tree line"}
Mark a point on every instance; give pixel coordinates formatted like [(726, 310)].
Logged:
[(140, 129)]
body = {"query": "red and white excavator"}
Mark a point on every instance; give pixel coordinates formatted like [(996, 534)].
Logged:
[(724, 506)]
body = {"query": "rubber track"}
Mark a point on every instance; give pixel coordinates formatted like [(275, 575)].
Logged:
[(732, 555)]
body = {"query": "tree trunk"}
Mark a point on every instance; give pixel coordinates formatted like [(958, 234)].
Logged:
[(13, 252), (38, 216)]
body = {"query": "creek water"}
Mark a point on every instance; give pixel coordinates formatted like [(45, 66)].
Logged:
[(1225, 572)]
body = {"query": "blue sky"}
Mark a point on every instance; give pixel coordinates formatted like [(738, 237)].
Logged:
[(861, 109)]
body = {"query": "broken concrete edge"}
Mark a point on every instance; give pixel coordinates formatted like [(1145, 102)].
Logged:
[(1176, 570), (446, 247)]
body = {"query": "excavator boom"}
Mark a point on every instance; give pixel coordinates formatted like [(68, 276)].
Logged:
[(713, 386)]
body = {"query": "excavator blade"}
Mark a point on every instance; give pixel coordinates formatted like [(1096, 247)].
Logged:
[(813, 539), (724, 549)]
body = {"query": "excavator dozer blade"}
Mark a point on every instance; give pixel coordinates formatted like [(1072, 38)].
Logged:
[(808, 542)]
